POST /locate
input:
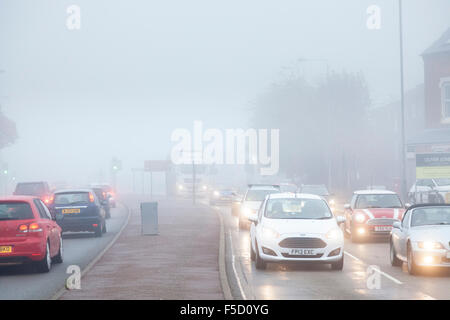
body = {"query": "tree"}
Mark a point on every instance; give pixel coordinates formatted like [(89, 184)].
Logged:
[(8, 132)]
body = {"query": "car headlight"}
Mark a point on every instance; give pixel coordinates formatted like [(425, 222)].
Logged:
[(204, 187), (180, 187), (334, 234), (332, 202), (360, 218), (247, 211), (269, 234), (216, 193), (429, 245)]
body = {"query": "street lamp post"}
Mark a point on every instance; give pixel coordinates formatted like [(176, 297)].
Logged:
[(402, 105)]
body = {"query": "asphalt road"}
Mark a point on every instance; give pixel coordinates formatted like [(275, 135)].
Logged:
[(21, 282), (355, 281)]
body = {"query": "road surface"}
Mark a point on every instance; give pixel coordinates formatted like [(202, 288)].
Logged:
[(319, 281), (20, 282)]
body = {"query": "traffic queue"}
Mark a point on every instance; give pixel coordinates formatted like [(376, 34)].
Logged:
[(303, 225), (34, 218)]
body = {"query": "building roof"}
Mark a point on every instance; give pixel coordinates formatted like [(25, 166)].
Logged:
[(431, 136), (439, 46)]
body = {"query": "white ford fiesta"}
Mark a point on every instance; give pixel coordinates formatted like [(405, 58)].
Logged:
[(294, 227)]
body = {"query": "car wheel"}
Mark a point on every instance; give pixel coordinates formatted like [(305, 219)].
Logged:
[(59, 257), (412, 267), (99, 231), (260, 264), (339, 265), (252, 252), (45, 264), (395, 262)]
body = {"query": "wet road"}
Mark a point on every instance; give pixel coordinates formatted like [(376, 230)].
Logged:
[(21, 282), (356, 281)]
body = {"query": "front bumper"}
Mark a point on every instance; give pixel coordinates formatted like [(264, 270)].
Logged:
[(431, 258), (332, 252)]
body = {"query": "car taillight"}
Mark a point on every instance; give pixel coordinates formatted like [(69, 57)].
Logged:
[(34, 227), (50, 199), (91, 197), (23, 228)]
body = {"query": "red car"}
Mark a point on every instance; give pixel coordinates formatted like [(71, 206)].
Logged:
[(28, 233), (372, 213)]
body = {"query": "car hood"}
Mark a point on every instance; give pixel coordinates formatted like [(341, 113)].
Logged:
[(252, 204), (382, 213), (431, 233), (302, 226)]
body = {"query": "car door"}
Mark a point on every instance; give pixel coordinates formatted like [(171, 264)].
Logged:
[(48, 225), (403, 234)]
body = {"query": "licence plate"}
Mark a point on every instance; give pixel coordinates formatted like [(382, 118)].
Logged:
[(5, 249), (382, 228), (302, 252), (68, 211)]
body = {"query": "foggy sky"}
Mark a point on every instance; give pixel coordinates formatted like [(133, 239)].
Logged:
[(139, 69)]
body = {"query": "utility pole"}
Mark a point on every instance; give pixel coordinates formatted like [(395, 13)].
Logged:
[(402, 105)]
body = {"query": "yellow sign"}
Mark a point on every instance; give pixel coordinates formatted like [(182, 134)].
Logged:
[(432, 165), (432, 172)]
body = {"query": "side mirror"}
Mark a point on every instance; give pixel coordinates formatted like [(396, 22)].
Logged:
[(340, 219), (253, 218), (347, 206), (397, 225)]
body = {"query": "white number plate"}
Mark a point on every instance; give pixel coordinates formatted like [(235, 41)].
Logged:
[(302, 252), (382, 228)]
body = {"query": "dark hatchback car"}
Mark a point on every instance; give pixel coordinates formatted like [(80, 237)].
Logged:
[(104, 200), (79, 210), (38, 189)]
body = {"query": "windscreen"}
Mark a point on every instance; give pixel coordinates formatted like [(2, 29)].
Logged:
[(430, 216), (368, 201), (71, 198), (30, 189), (297, 209), (15, 211)]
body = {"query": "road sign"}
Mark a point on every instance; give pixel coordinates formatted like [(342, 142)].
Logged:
[(432, 165)]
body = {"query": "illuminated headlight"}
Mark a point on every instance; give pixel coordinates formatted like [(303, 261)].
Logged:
[(269, 234), (429, 245), (204, 187), (334, 234), (247, 212), (180, 187), (216, 193), (360, 218)]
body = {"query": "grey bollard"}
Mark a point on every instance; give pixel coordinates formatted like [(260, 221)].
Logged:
[(149, 218)]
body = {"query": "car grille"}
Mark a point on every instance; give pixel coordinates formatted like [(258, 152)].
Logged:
[(309, 243), (316, 256), (381, 222)]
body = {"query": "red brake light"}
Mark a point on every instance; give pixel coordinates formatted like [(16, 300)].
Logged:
[(23, 228), (91, 197), (34, 227)]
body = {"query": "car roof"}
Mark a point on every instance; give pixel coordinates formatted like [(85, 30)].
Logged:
[(263, 187), (374, 192), (291, 195), (425, 205), (73, 190), (18, 198)]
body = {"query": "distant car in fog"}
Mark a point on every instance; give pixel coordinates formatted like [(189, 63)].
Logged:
[(79, 210), (372, 213), (430, 191), (28, 233), (422, 238), (255, 195), (110, 193), (319, 190), (39, 189), (104, 200), (222, 197)]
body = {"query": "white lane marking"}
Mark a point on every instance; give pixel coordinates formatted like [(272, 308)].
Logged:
[(377, 270), (233, 264)]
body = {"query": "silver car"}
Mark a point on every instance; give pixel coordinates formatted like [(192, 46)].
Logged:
[(422, 238)]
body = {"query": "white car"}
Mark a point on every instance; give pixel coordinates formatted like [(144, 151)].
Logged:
[(422, 239), (295, 227), (430, 191), (252, 201)]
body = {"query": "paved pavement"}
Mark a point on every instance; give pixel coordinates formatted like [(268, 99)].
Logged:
[(284, 282), (21, 282), (179, 263)]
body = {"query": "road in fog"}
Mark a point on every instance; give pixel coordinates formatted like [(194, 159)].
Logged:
[(319, 281), (19, 282)]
